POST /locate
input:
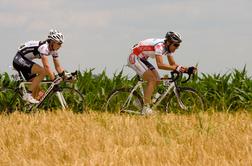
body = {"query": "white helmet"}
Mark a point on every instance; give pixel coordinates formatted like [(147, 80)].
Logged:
[(56, 36)]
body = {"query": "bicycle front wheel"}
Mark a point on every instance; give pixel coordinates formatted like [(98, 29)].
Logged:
[(71, 99), (122, 100), (187, 99)]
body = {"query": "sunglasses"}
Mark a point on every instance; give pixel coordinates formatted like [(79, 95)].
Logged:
[(176, 44)]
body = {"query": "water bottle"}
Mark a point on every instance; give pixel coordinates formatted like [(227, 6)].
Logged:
[(155, 97)]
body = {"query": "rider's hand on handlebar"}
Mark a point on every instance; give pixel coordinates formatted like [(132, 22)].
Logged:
[(191, 70), (181, 69), (67, 76)]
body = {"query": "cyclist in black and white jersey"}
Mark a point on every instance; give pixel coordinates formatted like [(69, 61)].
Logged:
[(23, 61)]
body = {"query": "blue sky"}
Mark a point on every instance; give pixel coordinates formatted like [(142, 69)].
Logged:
[(98, 34)]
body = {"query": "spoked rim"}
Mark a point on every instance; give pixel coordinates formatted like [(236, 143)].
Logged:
[(120, 101), (189, 101)]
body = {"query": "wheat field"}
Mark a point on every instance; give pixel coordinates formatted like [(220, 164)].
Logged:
[(95, 138)]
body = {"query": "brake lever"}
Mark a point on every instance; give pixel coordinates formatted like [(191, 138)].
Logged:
[(178, 74), (74, 73), (73, 76), (188, 78)]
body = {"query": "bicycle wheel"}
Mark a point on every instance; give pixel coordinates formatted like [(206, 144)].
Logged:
[(188, 100), (11, 100), (74, 100), (120, 100)]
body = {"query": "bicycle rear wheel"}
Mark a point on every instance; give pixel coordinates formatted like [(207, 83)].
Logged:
[(74, 100), (188, 100), (121, 100)]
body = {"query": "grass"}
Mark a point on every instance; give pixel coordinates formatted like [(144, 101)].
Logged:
[(95, 138)]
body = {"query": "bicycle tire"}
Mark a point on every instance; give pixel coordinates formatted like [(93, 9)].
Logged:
[(73, 98), (190, 98), (116, 102)]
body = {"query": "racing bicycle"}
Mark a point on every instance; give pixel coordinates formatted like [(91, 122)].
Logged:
[(59, 94), (174, 98)]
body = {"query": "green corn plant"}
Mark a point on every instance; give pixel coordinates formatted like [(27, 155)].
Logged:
[(223, 92)]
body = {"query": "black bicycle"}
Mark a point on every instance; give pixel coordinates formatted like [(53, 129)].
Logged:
[(59, 94)]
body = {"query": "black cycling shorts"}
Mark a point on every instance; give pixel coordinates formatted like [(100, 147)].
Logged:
[(23, 65), (148, 64)]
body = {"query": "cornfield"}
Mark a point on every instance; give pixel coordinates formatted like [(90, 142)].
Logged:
[(226, 92)]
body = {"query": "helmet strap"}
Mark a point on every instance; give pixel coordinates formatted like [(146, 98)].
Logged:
[(167, 46)]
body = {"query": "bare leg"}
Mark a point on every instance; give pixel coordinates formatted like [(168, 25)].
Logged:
[(156, 76), (151, 79), (35, 82), (35, 91)]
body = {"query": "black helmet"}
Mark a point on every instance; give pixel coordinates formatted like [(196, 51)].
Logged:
[(173, 36)]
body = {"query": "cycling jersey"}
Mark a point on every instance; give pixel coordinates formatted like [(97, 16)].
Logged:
[(34, 49), (149, 48), (142, 51), (30, 50)]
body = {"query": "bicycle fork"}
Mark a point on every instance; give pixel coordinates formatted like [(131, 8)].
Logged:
[(61, 100), (180, 102)]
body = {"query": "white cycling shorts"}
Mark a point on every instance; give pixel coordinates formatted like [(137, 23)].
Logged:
[(137, 65)]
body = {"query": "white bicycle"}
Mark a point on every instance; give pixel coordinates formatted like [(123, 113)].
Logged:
[(174, 98), (59, 94)]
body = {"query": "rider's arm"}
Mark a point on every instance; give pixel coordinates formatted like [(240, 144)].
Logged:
[(173, 63), (161, 65), (57, 65), (45, 63)]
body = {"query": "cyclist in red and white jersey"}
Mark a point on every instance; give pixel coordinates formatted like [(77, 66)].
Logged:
[(27, 52), (157, 49)]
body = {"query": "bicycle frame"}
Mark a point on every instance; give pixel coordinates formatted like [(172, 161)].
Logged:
[(53, 85), (138, 85), (168, 90), (171, 87)]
